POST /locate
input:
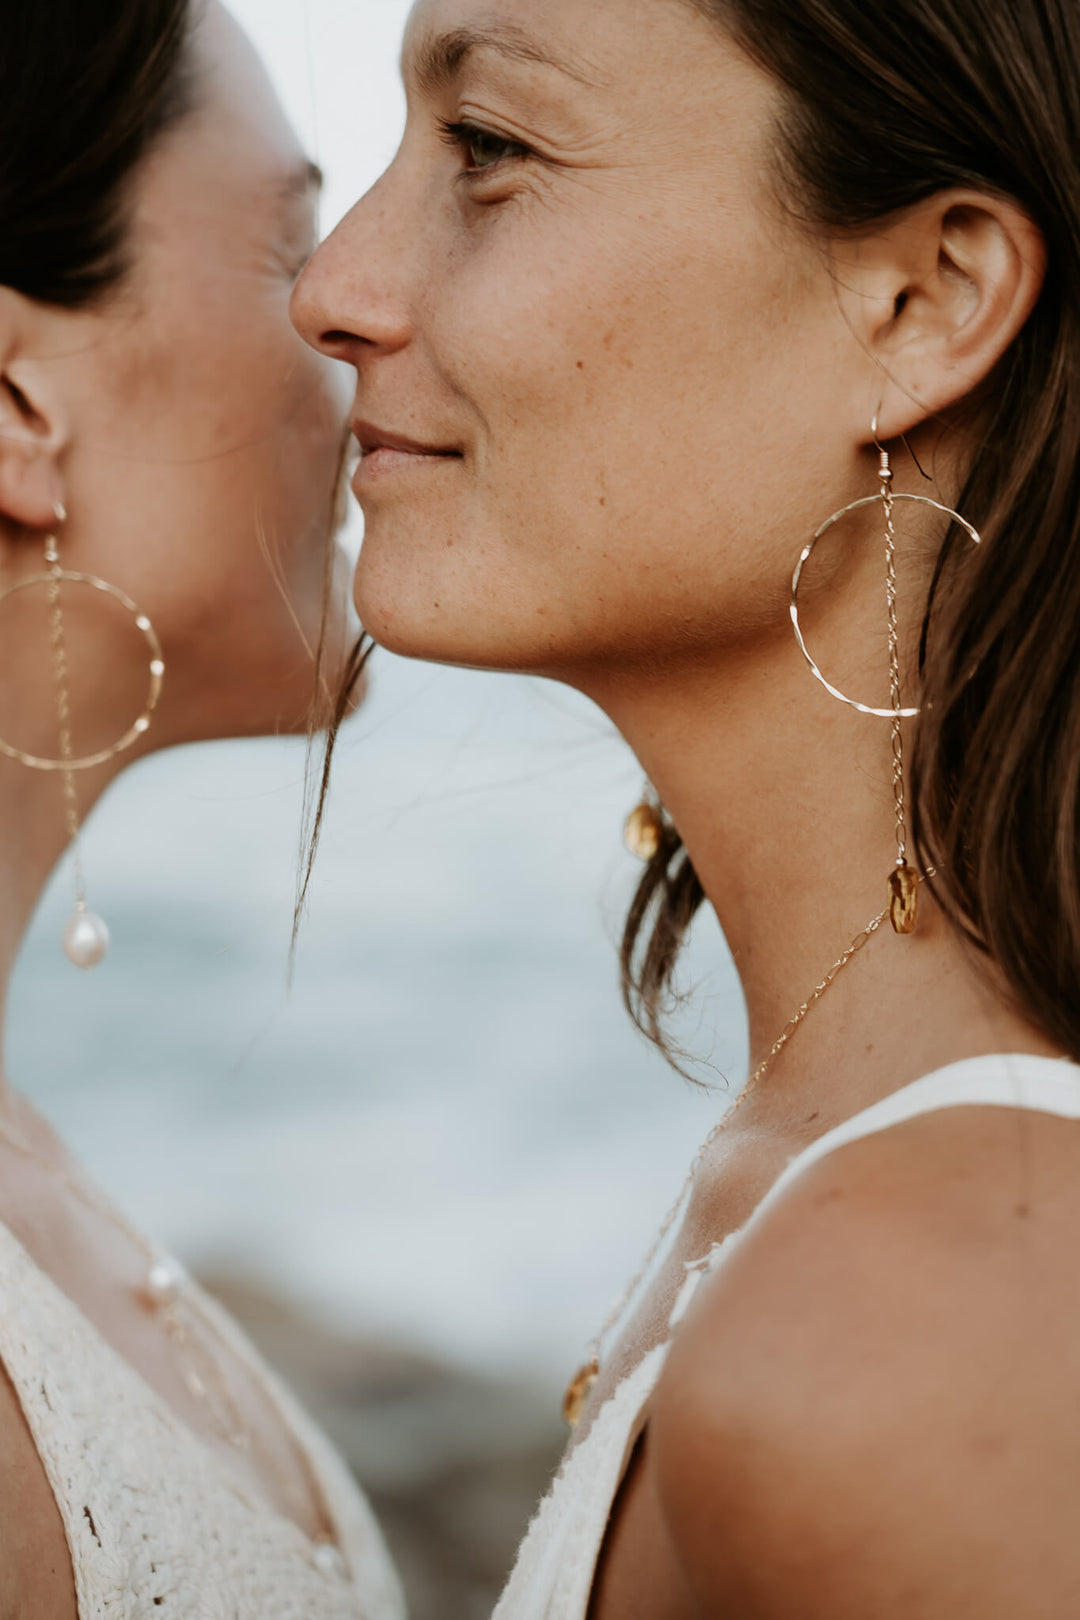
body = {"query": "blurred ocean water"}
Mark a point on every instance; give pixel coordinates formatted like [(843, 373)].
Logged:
[(446, 1131)]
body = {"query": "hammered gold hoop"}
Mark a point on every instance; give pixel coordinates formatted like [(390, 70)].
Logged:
[(157, 674), (866, 500)]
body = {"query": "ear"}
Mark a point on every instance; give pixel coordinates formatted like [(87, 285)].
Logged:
[(943, 293), (33, 428)]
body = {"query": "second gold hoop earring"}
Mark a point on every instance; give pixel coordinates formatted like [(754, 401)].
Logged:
[(86, 937), (903, 879)]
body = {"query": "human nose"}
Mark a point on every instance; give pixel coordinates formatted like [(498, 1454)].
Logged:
[(350, 299)]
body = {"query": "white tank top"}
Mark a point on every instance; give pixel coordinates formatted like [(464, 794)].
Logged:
[(156, 1527), (553, 1576)]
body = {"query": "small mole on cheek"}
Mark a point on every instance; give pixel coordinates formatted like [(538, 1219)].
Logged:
[(603, 500), (581, 365)]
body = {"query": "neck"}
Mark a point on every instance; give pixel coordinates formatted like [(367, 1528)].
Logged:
[(784, 800)]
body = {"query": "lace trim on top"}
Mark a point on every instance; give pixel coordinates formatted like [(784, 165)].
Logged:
[(155, 1524)]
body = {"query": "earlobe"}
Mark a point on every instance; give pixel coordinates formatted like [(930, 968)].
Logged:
[(31, 486), (33, 435)]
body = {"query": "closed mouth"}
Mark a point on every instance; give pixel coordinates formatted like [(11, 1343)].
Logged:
[(372, 439)]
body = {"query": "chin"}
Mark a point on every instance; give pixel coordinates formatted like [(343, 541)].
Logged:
[(421, 624), (473, 620), (443, 603)]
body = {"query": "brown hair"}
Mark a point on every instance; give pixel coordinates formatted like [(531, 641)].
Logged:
[(885, 105), (86, 86)]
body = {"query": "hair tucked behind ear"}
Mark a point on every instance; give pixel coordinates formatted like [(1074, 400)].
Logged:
[(884, 106), (86, 86)]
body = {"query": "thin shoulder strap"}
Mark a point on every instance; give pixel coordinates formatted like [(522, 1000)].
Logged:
[(1005, 1080)]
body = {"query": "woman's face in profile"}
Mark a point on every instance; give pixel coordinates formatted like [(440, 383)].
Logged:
[(576, 289), (204, 438)]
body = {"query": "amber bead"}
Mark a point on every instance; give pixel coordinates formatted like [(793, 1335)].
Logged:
[(643, 828), (904, 904), (578, 1392)]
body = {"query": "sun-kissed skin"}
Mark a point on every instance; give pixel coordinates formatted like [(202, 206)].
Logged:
[(640, 385), (194, 442)]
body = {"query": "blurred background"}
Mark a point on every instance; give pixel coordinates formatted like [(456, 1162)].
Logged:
[(421, 1174)]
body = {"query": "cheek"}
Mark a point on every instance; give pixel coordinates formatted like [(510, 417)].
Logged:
[(630, 391), (256, 417), (232, 431)]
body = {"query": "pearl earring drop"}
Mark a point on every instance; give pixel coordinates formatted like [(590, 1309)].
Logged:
[(85, 937)]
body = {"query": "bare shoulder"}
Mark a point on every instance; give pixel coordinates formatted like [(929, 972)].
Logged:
[(36, 1581), (874, 1407)]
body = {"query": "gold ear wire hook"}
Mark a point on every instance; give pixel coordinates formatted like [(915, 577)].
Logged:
[(873, 433), (884, 466), (903, 440)]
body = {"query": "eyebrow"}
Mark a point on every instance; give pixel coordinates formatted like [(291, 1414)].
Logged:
[(439, 59)]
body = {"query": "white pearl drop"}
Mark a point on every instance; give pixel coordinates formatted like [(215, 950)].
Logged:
[(329, 1560), (163, 1281), (86, 939)]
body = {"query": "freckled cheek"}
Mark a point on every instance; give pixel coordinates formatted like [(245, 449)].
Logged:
[(564, 419)]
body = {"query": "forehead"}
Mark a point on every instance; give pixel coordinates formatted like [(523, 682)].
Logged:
[(665, 70), (586, 41), (230, 176), (236, 106)]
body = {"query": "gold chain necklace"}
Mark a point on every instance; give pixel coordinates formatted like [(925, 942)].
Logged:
[(580, 1386), (166, 1290)]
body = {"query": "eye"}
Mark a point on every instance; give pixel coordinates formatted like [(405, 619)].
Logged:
[(482, 149)]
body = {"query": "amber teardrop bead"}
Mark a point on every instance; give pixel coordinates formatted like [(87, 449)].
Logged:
[(643, 829), (904, 901), (578, 1391)]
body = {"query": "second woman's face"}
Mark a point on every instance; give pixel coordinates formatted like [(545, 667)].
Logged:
[(595, 361), (206, 440)]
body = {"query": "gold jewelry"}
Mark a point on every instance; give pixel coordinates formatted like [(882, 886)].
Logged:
[(903, 879), (580, 1386), (86, 937), (644, 827)]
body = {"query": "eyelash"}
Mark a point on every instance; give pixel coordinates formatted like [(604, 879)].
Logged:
[(463, 137)]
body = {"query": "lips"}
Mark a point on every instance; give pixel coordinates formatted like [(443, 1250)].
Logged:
[(373, 439)]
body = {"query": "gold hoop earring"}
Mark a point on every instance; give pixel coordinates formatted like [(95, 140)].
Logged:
[(86, 936), (903, 879)]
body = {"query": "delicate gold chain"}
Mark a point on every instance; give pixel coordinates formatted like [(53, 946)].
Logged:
[(63, 709), (885, 474), (623, 1303)]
